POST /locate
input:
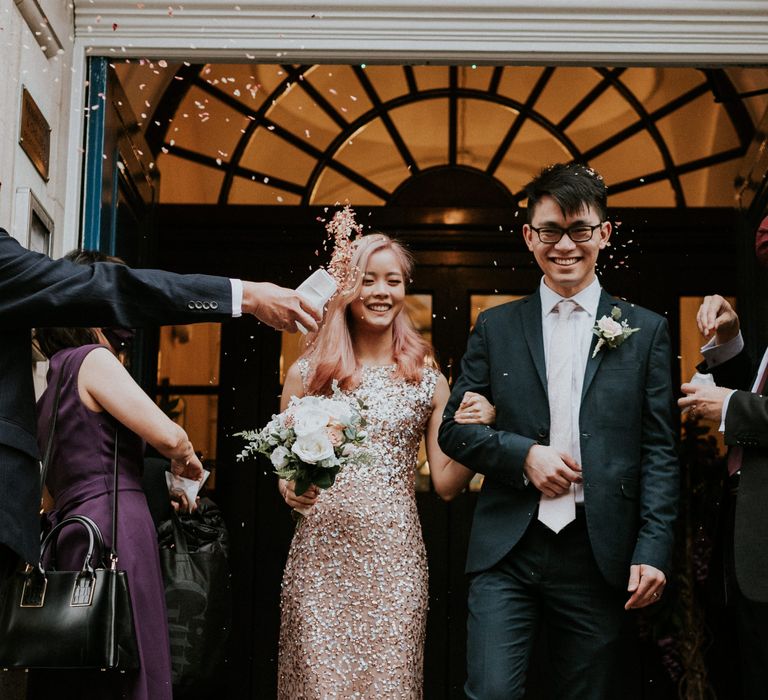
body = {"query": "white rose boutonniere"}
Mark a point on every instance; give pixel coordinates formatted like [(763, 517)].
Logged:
[(610, 331)]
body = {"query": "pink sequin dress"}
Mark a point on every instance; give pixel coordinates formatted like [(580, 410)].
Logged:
[(354, 593)]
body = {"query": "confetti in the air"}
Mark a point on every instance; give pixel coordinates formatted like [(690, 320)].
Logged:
[(342, 232)]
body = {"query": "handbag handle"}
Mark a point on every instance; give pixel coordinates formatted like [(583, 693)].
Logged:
[(94, 540)]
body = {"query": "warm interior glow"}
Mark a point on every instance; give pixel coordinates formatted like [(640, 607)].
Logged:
[(581, 104)]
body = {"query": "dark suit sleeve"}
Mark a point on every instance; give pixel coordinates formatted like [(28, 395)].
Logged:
[(746, 422), (659, 468), (495, 453), (736, 373), (38, 291)]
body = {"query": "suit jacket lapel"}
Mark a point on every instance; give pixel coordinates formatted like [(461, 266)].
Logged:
[(603, 309), (531, 312)]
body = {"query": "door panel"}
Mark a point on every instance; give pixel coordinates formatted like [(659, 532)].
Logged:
[(666, 260), (120, 191)]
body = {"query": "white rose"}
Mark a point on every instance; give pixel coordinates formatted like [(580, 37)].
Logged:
[(309, 419), (609, 328), (313, 448), (279, 457), (339, 411)]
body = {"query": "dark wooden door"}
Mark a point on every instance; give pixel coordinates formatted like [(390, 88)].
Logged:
[(455, 289), (673, 254), (121, 189)]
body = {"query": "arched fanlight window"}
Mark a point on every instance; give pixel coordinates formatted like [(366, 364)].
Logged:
[(299, 135)]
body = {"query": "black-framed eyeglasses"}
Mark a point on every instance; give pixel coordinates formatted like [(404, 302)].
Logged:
[(580, 233)]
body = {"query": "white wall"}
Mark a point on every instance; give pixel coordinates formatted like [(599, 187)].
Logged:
[(49, 81), (606, 32), (615, 32)]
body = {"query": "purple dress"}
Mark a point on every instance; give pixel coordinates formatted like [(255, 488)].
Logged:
[(80, 481)]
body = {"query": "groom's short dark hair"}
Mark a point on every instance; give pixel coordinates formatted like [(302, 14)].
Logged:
[(572, 186)]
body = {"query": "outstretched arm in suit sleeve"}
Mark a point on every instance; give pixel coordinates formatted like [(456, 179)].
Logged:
[(659, 469), (38, 291), (482, 448)]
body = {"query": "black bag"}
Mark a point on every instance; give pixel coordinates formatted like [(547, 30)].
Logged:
[(82, 619), (68, 619), (193, 558)]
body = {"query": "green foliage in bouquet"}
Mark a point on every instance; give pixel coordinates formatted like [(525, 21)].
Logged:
[(312, 440)]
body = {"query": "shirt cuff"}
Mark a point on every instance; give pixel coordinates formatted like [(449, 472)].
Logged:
[(237, 297), (715, 354), (725, 410)]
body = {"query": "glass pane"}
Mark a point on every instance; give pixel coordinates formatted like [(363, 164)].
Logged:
[(564, 90), (198, 415), (424, 127), (185, 182), (423, 480), (269, 153), (419, 308), (189, 355), (291, 347), (477, 304), (372, 144), (206, 125), (690, 338), (480, 302), (340, 86), (296, 111), (690, 347), (482, 127), (333, 187)]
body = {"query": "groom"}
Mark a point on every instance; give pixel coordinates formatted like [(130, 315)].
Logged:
[(573, 525)]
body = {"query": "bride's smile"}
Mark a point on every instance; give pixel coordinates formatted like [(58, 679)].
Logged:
[(382, 294)]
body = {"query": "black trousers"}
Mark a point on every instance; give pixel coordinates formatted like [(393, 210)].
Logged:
[(9, 560), (550, 580), (12, 683), (751, 616)]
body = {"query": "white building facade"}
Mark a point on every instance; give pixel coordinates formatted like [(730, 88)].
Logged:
[(589, 32)]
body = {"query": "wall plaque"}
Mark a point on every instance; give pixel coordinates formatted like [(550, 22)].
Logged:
[(35, 134)]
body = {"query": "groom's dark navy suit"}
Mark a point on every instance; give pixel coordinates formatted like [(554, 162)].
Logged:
[(630, 470), (38, 291)]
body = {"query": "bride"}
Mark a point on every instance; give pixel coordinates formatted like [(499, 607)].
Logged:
[(354, 593)]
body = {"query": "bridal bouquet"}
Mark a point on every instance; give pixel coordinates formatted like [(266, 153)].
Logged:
[(310, 441)]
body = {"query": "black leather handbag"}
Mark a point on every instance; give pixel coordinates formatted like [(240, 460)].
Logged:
[(69, 619), (52, 619)]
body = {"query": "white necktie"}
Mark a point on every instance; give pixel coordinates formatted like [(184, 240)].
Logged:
[(557, 512)]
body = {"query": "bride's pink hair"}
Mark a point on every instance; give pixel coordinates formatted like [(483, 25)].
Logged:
[(330, 351)]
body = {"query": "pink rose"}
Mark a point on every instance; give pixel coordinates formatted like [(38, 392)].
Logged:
[(335, 435), (609, 328)]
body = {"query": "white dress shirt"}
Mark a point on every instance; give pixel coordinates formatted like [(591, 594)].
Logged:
[(583, 320), (237, 297), (715, 355)]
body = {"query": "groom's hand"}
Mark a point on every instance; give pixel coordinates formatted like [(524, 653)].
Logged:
[(646, 584), (550, 471), (279, 307)]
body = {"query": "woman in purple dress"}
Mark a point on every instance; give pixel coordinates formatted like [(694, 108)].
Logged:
[(99, 399)]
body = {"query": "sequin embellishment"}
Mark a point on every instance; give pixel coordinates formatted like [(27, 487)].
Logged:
[(354, 593)]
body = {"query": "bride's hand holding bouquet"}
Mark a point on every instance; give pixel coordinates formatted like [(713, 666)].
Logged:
[(309, 443)]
